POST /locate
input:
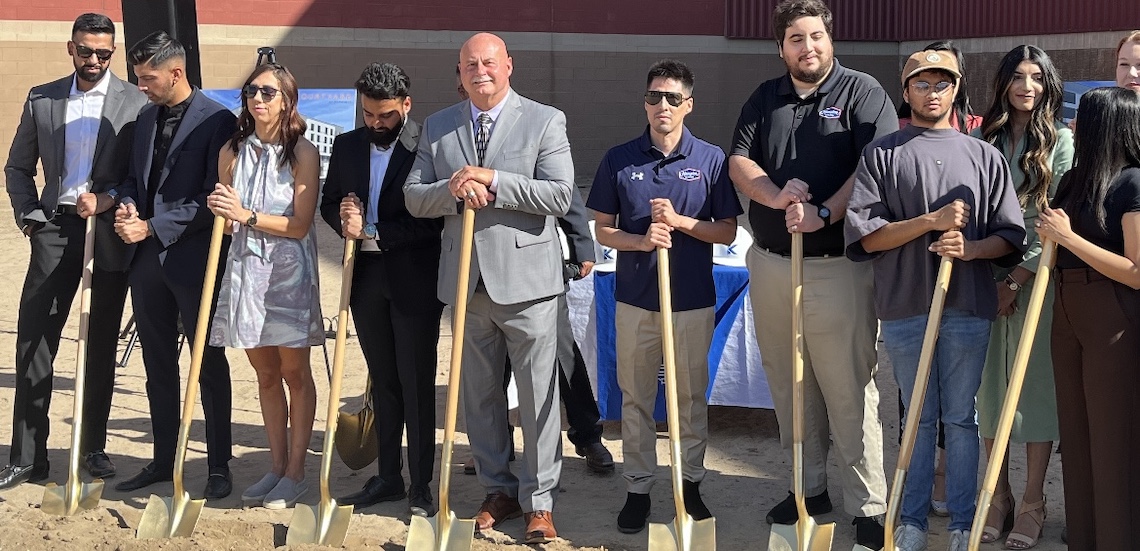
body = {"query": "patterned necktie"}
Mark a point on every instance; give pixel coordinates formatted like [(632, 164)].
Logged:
[(482, 135)]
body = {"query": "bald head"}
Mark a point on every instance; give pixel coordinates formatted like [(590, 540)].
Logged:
[(485, 69)]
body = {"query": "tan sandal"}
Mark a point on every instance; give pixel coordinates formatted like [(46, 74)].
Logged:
[(999, 519), (1026, 532)]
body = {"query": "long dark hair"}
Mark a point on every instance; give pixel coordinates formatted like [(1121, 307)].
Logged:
[(292, 126), (1040, 132), (1107, 141), (961, 108)]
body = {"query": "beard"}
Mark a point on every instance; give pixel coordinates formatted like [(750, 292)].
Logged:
[(813, 77), (88, 77), (385, 137)]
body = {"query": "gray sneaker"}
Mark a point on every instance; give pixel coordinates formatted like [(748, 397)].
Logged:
[(910, 538), (959, 540), (286, 493), (255, 495)]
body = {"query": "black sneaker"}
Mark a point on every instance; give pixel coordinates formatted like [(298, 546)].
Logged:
[(869, 531), (691, 492), (419, 501), (634, 514), (785, 511)]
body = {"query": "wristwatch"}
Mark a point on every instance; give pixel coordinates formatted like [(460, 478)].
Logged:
[(825, 215), (1012, 283), (370, 231), (252, 219), (114, 195)]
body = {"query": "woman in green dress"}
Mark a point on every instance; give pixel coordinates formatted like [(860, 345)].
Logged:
[(1022, 124)]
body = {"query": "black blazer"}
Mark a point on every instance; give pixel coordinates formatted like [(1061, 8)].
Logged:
[(181, 221), (409, 246)]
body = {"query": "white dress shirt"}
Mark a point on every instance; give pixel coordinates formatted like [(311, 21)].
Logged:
[(81, 131), (379, 158), (494, 114)]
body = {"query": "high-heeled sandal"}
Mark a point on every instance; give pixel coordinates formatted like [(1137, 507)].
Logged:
[(1026, 533), (998, 514)]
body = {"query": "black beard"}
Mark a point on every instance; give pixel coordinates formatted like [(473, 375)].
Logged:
[(811, 77), (384, 138), (90, 78)]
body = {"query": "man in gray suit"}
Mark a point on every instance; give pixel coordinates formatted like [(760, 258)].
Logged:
[(80, 128), (509, 157)]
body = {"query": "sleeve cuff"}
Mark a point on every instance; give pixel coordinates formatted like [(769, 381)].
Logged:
[(494, 187)]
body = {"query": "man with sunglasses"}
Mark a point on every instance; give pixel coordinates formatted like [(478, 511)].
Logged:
[(78, 128), (664, 189), (794, 153), (924, 192), (174, 166)]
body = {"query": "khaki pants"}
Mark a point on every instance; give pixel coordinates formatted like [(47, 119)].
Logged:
[(638, 361), (841, 401)]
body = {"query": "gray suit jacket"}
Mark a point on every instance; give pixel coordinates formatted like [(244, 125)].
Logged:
[(41, 137), (517, 253)]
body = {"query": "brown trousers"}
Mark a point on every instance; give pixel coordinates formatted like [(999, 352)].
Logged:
[(1096, 348)]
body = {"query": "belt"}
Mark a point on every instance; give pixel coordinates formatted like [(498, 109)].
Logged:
[(66, 209), (789, 255), (1080, 275)]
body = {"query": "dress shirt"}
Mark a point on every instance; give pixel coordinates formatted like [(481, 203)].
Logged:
[(81, 131), (166, 126), (494, 114), (379, 158)]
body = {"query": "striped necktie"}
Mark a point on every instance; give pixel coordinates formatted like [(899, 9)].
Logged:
[(482, 135)]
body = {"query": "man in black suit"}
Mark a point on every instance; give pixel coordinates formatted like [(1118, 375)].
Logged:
[(393, 299), (173, 167), (80, 128)]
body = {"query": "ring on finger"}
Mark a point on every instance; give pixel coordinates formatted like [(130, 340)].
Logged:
[(471, 194)]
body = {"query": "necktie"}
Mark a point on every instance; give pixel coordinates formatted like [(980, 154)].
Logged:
[(482, 135)]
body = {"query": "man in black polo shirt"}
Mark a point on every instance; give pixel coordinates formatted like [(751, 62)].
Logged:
[(794, 154)]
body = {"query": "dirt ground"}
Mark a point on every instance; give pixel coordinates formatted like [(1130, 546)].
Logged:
[(748, 473)]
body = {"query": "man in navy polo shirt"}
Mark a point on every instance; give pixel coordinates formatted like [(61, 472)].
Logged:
[(794, 155), (664, 189)]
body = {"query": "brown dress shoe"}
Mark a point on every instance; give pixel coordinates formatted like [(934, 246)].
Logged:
[(540, 527), (496, 509)]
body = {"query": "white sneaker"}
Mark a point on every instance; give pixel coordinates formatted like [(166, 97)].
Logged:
[(255, 495), (286, 493), (959, 540), (910, 538)]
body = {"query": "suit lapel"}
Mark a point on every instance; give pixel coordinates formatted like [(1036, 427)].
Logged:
[(363, 169), (59, 122), (463, 131), (146, 123), (111, 105), (502, 129)]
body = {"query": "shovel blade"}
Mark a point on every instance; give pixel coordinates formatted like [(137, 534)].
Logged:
[(356, 439), (691, 535), (56, 502), (805, 535), (169, 517), (441, 533), (324, 524)]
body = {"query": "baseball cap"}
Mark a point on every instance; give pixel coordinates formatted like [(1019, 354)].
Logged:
[(926, 60)]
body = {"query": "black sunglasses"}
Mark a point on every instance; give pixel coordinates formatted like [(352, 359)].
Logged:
[(84, 52), (653, 97), (267, 92)]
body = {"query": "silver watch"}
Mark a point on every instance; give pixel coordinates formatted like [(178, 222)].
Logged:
[(370, 231)]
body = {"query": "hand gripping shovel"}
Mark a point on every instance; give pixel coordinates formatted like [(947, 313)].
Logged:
[(445, 532), (684, 534), (1013, 391), (176, 516), (75, 495), (327, 523), (914, 411), (805, 534), (355, 433)]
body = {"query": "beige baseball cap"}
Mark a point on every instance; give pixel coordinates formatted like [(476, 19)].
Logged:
[(943, 60)]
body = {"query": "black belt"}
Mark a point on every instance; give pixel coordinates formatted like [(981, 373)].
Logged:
[(67, 209), (789, 254)]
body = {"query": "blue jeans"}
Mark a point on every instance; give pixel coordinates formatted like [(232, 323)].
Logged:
[(955, 375)]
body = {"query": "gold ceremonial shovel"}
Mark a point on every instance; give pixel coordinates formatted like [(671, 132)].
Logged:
[(444, 531), (75, 495), (1013, 390), (355, 433), (684, 534), (176, 516), (327, 523), (805, 534), (917, 397)]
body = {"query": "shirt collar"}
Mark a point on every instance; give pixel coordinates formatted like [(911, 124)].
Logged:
[(684, 147), (786, 88), (100, 88), (493, 112)]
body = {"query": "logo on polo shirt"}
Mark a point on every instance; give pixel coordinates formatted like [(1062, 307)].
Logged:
[(637, 176), (832, 112), (689, 174)]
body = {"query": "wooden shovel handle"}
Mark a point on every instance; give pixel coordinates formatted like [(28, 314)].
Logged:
[(458, 323), (333, 413)]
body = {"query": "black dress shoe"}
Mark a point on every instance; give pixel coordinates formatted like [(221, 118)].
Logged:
[(869, 531), (14, 475), (419, 501), (149, 475), (99, 465), (598, 458), (634, 513), (220, 483), (785, 512), (375, 491)]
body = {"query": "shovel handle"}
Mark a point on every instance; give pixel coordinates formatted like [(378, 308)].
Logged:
[(918, 396), (669, 356), (337, 376), (73, 481), (1013, 390), (798, 373), (458, 324)]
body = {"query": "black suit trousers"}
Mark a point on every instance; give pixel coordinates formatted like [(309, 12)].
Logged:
[(55, 269), (159, 302), (400, 349)]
